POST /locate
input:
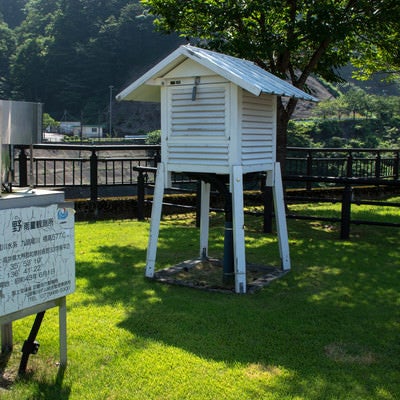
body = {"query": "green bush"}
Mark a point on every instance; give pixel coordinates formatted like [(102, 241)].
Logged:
[(371, 133), (153, 137)]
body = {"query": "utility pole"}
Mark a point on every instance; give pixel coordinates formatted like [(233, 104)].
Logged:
[(110, 122)]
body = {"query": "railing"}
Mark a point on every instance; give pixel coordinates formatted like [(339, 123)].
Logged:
[(80, 166), (340, 163), (346, 168), (95, 166), (110, 165), (99, 166)]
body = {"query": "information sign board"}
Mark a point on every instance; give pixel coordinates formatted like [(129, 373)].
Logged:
[(37, 256)]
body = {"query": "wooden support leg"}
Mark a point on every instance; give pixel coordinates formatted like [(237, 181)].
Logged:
[(204, 218), (155, 221), (238, 229), (279, 204), (62, 323), (6, 338)]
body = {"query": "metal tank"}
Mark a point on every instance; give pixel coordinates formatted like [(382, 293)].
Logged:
[(20, 123)]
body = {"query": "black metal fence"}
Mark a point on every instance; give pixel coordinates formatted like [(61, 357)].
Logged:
[(63, 165), (341, 163), (90, 166), (96, 166)]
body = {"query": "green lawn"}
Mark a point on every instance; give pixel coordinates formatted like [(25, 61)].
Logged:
[(330, 329)]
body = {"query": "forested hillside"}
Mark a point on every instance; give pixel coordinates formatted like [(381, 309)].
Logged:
[(67, 53)]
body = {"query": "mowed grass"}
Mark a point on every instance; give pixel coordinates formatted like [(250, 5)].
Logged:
[(329, 329)]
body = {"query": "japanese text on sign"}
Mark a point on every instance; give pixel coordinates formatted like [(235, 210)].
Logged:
[(37, 256)]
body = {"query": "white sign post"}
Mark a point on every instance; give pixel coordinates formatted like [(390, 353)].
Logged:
[(37, 265)]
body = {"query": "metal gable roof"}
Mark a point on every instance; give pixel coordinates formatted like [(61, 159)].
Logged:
[(243, 73)]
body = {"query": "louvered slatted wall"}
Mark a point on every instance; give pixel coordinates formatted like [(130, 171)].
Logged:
[(197, 128), (258, 129)]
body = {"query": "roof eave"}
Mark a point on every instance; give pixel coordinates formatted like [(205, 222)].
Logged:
[(144, 89), (147, 88)]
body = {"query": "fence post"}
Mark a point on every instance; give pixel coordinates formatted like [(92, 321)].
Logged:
[(349, 166), (23, 168), (309, 168), (157, 157), (346, 212), (378, 165), (140, 196), (396, 166), (93, 177)]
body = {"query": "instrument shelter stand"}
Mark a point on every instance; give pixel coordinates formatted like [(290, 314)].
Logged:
[(274, 180), (218, 116)]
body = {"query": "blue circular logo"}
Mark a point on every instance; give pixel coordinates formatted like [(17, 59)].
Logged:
[(62, 213)]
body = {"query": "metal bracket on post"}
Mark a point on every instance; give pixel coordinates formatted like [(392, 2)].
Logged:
[(30, 345)]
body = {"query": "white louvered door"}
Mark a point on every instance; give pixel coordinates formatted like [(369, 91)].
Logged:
[(198, 127)]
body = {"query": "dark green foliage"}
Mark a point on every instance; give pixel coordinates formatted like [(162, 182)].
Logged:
[(355, 118), (366, 133), (68, 52), (292, 39), (7, 47), (12, 12)]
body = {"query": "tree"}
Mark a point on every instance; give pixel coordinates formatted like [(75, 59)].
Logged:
[(12, 11), (7, 46), (381, 51), (290, 38), (70, 51), (27, 72), (324, 109), (340, 106), (49, 122), (357, 100)]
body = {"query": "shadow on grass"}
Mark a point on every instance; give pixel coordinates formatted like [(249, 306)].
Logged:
[(52, 390), (55, 389), (331, 322), (5, 380)]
